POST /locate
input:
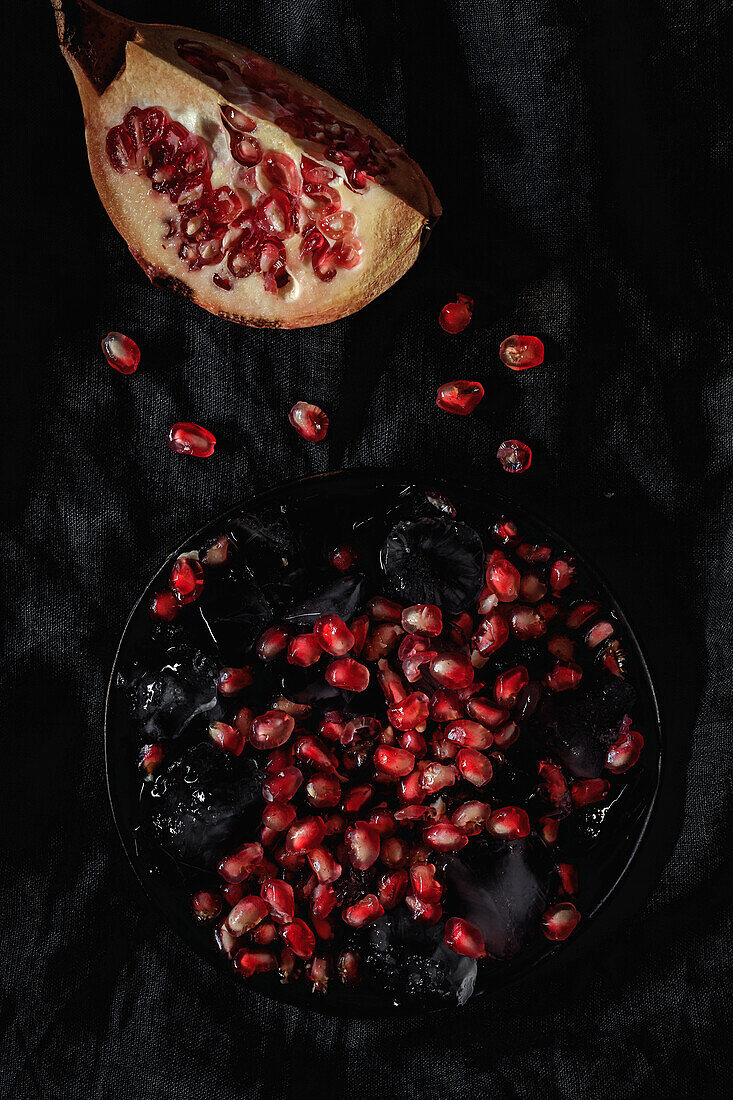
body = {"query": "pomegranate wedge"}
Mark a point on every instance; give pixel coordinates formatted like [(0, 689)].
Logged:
[(236, 182)]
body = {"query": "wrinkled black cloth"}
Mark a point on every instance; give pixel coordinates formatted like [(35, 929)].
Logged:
[(582, 155)]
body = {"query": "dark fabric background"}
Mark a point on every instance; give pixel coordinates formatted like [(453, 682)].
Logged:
[(581, 151)]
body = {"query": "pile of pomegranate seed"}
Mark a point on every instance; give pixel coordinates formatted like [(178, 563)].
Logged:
[(121, 352), (365, 808), (455, 316)]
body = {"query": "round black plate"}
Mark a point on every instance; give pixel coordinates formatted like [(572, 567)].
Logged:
[(609, 889)]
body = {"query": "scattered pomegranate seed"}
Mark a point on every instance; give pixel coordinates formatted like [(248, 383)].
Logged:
[(343, 557), (304, 650), (562, 575), (411, 713), (164, 607), (324, 865), (559, 921), (424, 619), (471, 735), (246, 915), (309, 421), (437, 776), (445, 837), (460, 397), (121, 352), (319, 973), (299, 938), (362, 845), (152, 757), (186, 438), (278, 816), (393, 761), (348, 674), (509, 822), (305, 835), (521, 352), (333, 635), (464, 938), (425, 912), (472, 817), (455, 316), (584, 792), (228, 738), (233, 680), (598, 633), (382, 610), (272, 643), (452, 670), (580, 612), (509, 684), (514, 456), (271, 729), (186, 580), (625, 751), (206, 905), (254, 961), (474, 767), (323, 791), (237, 867), (568, 878), (364, 912)]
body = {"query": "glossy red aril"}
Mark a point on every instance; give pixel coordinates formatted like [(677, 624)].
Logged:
[(304, 650), (625, 751), (282, 786), (472, 817), (164, 607), (474, 767), (333, 635), (445, 706), (323, 791), (464, 938), (568, 875), (152, 757), (233, 680), (305, 835), (424, 619), (364, 912), (186, 438), (206, 905), (514, 456), (455, 316), (382, 610), (357, 797), (425, 912), (598, 633), (326, 868), (445, 837), (527, 623), (584, 792), (491, 634), (509, 684), (393, 761), (521, 352), (309, 421), (392, 888), (509, 822), (278, 816), (242, 863), (121, 352), (559, 921), (469, 735), (452, 670), (411, 713), (502, 577), (564, 677), (299, 938), (323, 900), (227, 737), (348, 674), (271, 729), (562, 574), (394, 852), (485, 713), (580, 612), (435, 777), (254, 960), (272, 643), (343, 557), (362, 845), (246, 915), (460, 397), (186, 580)]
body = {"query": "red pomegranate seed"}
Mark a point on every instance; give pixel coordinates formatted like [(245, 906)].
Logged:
[(393, 761), (186, 580), (491, 634), (324, 865), (348, 968), (424, 883), (348, 674), (313, 751), (243, 721), (319, 973), (424, 619), (254, 961), (509, 822), (394, 852), (531, 588), (452, 670), (414, 742), (562, 647), (278, 816), (233, 680), (206, 905), (382, 610), (435, 777), (360, 629), (309, 421), (521, 352), (425, 912), (272, 643), (560, 920), (304, 650), (411, 713), (246, 915), (232, 892), (598, 633), (364, 912), (299, 938), (584, 792), (474, 767), (343, 557), (470, 735), (164, 607), (391, 684), (527, 623), (562, 575), (362, 845), (445, 837), (564, 677), (304, 835), (514, 456), (568, 878), (464, 938), (580, 612), (333, 635), (152, 757), (460, 397), (445, 706), (282, 786), (502, 577), (625, 751), (505, 532), (553, 781), (323, 900), (271, 730), (323, 791), (506, 735), (392, 888), (121, 352), (485, 713), (227, 738), (186, 438), (357, 797), (455, 316), (242, 863), (265, 933), (472, 817), (288, 965), (509, 684), (548, 828)]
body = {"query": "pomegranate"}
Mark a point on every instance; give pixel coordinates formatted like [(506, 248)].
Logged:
[(235, 182), (521, 352), (455, 316), (121, 352)]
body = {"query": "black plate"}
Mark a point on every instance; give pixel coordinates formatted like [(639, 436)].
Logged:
[(621, 871)]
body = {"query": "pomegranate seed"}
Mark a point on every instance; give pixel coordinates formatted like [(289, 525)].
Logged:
[(474, 767), (288, 965), (227, 738), (509, 822), (364, 912), (568, 878), (333, 635), (206, 905), (423, 618), (152, 757), (424, 911), (254, 961), (325, 866), (265, 933), (625, 751), (240, 865), (309, 421), (392, 888), (233, 680), (383, 821), (272, 643), (164, 607), (121, 352), (580, 612), (548, 827), (562, 647), (305, 835), (505, 532), (357, 797), (452, 670), (323, 900), (414, 742), (243, 721), (459, 397), (282, 786), (424, 883), (323, 791), (391, 684), (435, 777), (464, 938), (186, 438), (560, 920), (472, 817), (313, 751), (304, 650), (553, 782), (343, 557), (509, 684), (445, 706), (491, 634), (186, 580), (394, 852), (232, 892), (246, 915), (445, 837), (411, 713), (531, 588), (470, 735), (348, 968), (319, 973), (514, 456), (382, 610), (455, 316), (299, 938), (278, 816), (564, 677), (527, 623), (562, 575), (521, 352), (584, 792), (271, 730), (360, 629), (348, 674), (613, 658), (485, 713), (506, 735), (362, 845), (393, 761), (598, 633)]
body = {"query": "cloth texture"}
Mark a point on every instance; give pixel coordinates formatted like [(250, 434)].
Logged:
[(582, 155)]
